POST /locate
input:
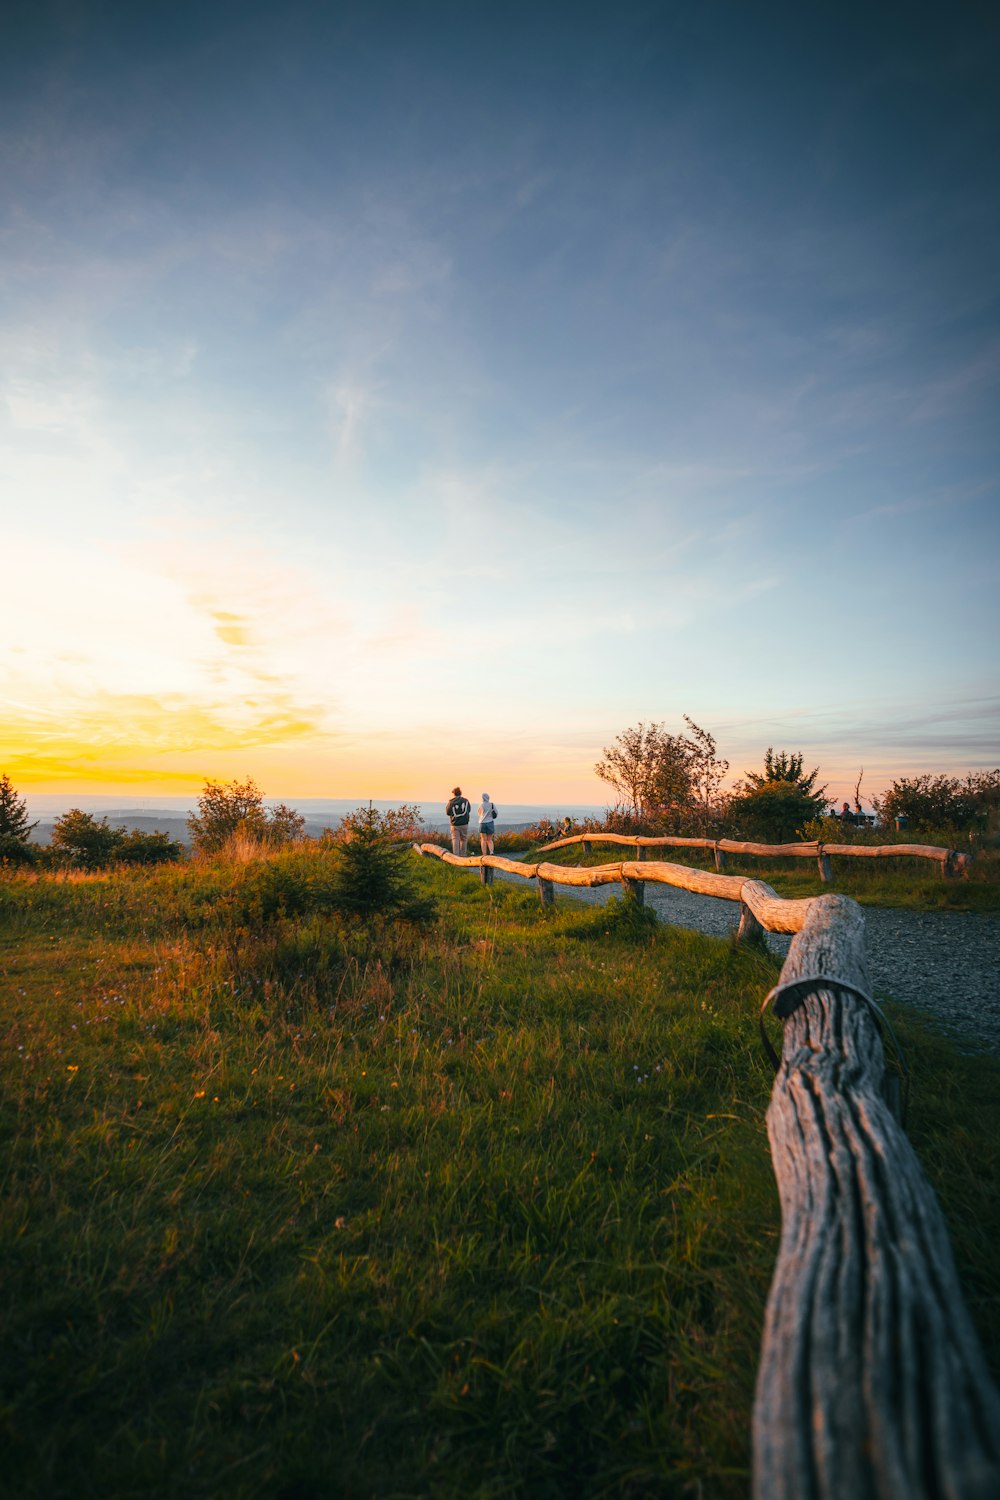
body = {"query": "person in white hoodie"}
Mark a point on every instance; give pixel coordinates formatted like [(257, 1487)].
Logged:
[(487, 819)]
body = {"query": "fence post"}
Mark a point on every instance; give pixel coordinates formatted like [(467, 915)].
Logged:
[(640, 851), (825, 868), (749, 930), (720, 857), (635, 890), (546, 893), (486, 874), (586, 846)]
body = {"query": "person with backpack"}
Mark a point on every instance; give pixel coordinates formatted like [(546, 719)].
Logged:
[(458, 811), (487, 818)]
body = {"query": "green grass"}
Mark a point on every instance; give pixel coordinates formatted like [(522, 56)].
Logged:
[(481, 1211), (915, 884)]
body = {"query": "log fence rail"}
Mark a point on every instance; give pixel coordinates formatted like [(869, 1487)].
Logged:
[(952, 861)]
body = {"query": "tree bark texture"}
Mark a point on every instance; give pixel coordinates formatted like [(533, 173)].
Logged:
[(872, 1384)]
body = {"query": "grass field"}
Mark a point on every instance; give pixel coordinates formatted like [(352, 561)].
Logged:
[(295, 1210)]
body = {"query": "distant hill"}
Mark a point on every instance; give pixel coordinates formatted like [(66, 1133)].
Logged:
[(319, 813)]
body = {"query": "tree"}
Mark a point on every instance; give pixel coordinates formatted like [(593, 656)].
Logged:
[(663, 776), (88, 843), (705, 770), (14, 825), (225, 808), (229, 807), (648, 768), (374, 873), (774, 804), (285, 825)]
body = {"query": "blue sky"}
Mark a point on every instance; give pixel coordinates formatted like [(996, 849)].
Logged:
[(397, 395)]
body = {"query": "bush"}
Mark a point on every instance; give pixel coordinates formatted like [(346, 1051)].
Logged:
[(945, 803), (235, 810), (138, 848), (85, 842), (15, 851)]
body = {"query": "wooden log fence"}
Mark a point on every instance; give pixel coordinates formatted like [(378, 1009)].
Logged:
[(952, 861), (872, 1384)]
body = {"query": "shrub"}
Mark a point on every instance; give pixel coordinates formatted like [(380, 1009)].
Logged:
[(15, 851), (943, 802), (138, 848), (84, 841)]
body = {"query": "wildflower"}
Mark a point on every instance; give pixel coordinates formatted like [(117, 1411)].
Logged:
[(72, 1067), (199, 1093)]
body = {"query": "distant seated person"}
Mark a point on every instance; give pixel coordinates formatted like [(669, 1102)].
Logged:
[(846, 816)]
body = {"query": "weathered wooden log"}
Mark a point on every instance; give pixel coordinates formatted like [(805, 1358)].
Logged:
[(635, 890), (885, 851), (770, 851), (591, 838), (956, 863), (647, 841), (546, 892), (704, 882), (583, 875), (825, 867), (871, 1384), (485, 873), (512, 866), (720, 858), (774, 912)]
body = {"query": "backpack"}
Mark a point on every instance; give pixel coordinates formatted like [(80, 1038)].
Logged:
[(493, 813)]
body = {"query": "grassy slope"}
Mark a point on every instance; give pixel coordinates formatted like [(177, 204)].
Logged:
[(489, 1213)]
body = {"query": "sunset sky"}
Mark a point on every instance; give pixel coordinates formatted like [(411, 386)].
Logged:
[(396, 395)]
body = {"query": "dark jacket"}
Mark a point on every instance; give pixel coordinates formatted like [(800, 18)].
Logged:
[(458, 811)]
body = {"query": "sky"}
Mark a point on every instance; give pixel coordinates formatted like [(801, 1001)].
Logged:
[(400, 395)]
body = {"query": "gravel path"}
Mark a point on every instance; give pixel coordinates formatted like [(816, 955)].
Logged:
[(944, 962)]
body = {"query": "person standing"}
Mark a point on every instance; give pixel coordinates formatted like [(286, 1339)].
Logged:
[(458, 811), (487, 820)]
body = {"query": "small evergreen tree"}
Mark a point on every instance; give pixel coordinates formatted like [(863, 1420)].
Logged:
[(373, 873), (14, 825), (774, 804)]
